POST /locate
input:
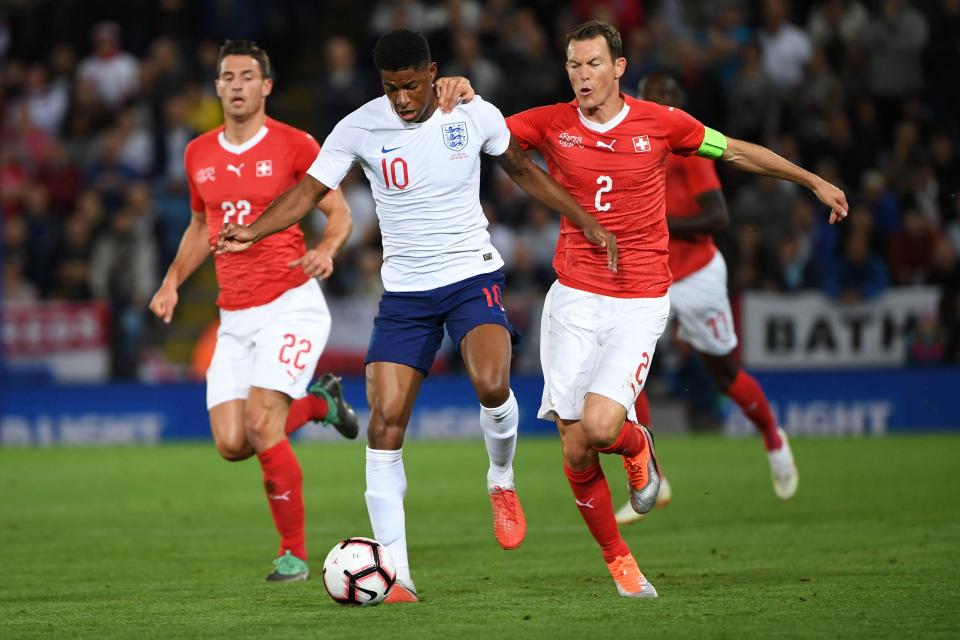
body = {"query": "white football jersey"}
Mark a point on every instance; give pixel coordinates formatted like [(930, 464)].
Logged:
[(425, 179)]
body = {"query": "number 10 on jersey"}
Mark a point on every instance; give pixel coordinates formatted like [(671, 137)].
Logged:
[(396, 174)]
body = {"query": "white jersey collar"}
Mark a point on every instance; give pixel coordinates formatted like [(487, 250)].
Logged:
[(246, 146), (609, 124)]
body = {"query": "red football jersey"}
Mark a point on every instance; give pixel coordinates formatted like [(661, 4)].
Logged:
[(687, 178), (616, 172), (237, 183)]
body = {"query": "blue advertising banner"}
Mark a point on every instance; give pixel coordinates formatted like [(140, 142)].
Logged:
[(805, 403), (871, 402)]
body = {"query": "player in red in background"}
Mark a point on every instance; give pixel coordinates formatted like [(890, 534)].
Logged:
[(274, 321), (599, 328), (696, 209)]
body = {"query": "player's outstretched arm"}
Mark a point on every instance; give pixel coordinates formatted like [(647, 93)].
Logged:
[(713, 217), (318, 262), (193, 250), (756, 159), (536, 182), (292, 205)]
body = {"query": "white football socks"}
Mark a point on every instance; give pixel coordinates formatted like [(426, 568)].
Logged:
[(499, 426), (386, 488)]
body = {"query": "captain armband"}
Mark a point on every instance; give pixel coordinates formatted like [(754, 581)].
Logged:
[(714, 144)]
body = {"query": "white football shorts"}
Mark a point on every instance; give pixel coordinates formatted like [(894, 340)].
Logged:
[(703, 309), (273, 346), (592, 343)]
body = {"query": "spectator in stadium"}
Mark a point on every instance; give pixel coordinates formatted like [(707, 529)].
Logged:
[(45, 101), (468, 61), (343, 86), (797, 271), (110, 175), (123, 271), (726, 36), (912, 251), (895, 39), (60, 177), (115, 74), (72, 259), (752, 102), (16, 288), (858, 275), (835, 25), (786, 48)]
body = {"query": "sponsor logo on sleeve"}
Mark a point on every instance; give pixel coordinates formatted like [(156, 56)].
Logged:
[(207, 174)]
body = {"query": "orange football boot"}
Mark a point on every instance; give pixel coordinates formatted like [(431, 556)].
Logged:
[(509, 523), (643, 474), (631, 583), (400, 593)]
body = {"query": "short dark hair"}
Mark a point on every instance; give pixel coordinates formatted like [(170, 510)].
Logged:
[(245, 48), (661, 75), (401, 49), (594, 28)]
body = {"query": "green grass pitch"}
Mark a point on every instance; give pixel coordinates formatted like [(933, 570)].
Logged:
[(172, 542)]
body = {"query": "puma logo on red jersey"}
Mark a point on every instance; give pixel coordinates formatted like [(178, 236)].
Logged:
[(606, 145), (236, 170)]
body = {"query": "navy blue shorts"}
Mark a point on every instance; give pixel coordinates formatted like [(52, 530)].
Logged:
[(409, 326)]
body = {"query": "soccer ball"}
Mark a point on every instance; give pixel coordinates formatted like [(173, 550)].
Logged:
[(359, 571)]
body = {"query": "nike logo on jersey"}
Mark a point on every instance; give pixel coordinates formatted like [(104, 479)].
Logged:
[(586, 505), (601, 143), (385, 150), (236, 170), (283, 496)]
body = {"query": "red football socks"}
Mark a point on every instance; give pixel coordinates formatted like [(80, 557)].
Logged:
[(303, 410), (642, 408), (593, 499), (749, 396), (283, 480), (629, 443)]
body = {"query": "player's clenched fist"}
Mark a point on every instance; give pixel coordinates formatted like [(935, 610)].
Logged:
[(597, 235), (164, 301), (234, 237), (316, 263)]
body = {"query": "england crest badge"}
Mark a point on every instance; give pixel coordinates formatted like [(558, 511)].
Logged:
[(455, 135)]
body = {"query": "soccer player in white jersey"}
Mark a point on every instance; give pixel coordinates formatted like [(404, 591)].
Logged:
[(440, 269)]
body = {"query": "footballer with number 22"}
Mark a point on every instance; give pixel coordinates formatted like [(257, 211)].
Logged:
[(274, 322)]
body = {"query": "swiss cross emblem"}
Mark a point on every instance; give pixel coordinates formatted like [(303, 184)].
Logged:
[(264, 168), (641, 144)]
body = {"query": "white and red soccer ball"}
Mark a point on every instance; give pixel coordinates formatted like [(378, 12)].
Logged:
[(359, 571)]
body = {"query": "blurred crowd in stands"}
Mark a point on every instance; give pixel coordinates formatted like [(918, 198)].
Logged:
[(98, 100)]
